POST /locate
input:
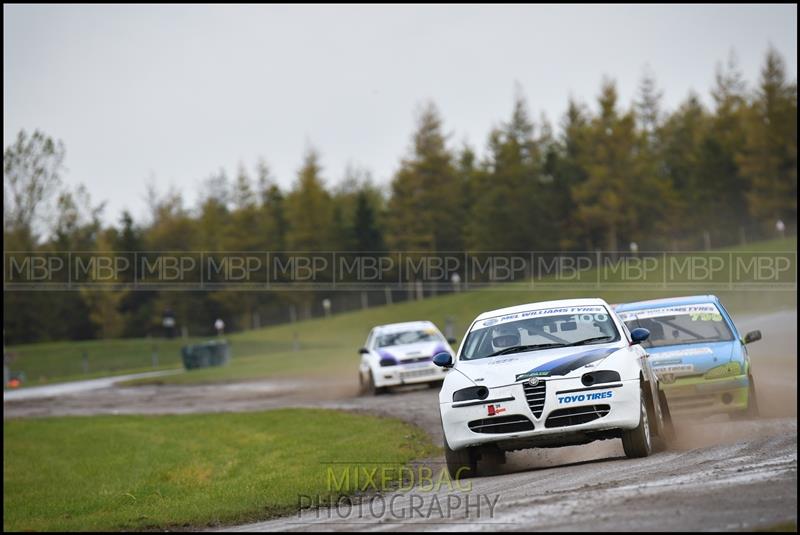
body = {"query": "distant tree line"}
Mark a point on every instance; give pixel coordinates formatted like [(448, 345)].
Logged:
[(607, 176)]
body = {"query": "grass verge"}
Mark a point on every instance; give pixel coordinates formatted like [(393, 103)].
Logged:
[(188, 471)]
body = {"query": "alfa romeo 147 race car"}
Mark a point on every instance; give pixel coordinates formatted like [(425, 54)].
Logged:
[(697, 353), (548, 374), (400, 354)]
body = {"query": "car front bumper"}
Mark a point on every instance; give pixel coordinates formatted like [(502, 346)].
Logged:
[(567, 403), (695, 396), (408, 374)]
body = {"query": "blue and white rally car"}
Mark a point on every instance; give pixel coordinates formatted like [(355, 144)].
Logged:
[(697, 353), (548, 374), (401, 354)]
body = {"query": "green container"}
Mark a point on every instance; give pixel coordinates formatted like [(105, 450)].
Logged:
[(213, 353)]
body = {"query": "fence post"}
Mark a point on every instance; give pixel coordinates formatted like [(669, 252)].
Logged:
[(388, 293), (449, 327)]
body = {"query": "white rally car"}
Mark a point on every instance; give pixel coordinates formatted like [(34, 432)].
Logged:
[(400, 354), (549, 374)]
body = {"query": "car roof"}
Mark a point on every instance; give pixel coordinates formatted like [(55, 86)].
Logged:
[(666, 302), (542, 304), (404, 326)]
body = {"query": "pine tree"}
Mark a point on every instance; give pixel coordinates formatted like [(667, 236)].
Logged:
[(683, 135), (614, 197), (309, 210), (769, 156), (568, 172), (366, 235), (423, 209), (511, 202), (722, 190), (648, 107), (214, 222), (242, 194)]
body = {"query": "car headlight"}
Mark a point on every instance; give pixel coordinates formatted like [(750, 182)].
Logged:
[(388, 361), (473, 392), (726, 370)]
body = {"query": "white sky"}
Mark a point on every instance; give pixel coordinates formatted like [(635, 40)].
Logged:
[(177, 92)]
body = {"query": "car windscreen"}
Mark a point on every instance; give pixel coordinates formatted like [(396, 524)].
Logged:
[(678, 325), (407, 337), (539, 329)]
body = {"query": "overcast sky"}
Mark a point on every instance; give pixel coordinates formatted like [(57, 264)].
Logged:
[(175, 93)]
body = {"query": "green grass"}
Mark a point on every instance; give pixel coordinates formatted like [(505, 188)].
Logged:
[(329, 345), (63, 361), (188, 471)]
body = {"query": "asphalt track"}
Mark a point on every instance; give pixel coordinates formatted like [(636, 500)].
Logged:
[(717, 475)]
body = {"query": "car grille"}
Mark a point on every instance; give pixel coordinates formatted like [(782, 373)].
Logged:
[(411, 374), (415, 360), (576, 416), (535, 397), (502, 424)]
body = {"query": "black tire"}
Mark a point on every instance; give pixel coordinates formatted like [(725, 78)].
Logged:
[(752, 399), (491, 455), (435, 384), (461, 464), (362, 386), (668, 432), (638, 442), (751, 411)]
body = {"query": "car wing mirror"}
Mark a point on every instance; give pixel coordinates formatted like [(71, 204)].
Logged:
[(451, 340), (363, 351), (443, 359), (639, 335), (752, 336)]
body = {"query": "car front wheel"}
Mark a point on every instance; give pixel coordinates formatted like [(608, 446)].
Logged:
[(752, 403), (461, 464), (668, 427), (638, 442), (373, 390)]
